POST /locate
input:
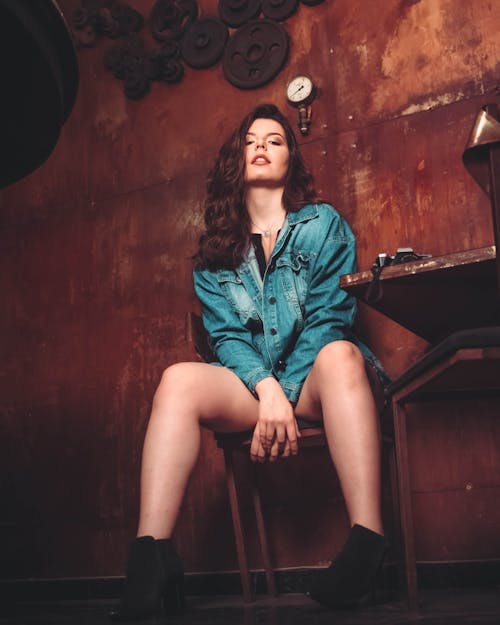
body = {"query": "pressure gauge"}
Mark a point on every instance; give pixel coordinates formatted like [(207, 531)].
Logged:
[(300, 91)]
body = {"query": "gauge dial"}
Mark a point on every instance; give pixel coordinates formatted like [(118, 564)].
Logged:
[(300, 90)]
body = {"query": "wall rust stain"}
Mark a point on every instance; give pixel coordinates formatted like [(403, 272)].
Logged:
[(414, 56)]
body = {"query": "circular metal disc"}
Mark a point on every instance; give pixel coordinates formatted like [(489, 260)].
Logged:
[(255, 54), (279, 9), (171, 70), (236, 12), (203, 44)]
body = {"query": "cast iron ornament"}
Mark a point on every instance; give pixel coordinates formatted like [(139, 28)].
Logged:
[(279, 9), (130, 61), (104, 18), (171, 71), (171, 18), (203, 44), (236, 12), (125, 57), (136, 85), (255, 54)]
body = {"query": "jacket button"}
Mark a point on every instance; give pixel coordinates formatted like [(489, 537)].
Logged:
[(273, 331), (272, 300), (281, 365)]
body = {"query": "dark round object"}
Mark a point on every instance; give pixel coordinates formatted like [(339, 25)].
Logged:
[(203, 44), (164, 20), (279, 9), (39, 70), (170, 48), (171, 18), (255, 54), (236, 12), (136, 84), (129, 20), (107, 24), (133, 63), (171, 71)]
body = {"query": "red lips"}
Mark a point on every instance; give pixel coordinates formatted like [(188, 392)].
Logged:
[(257, 156)]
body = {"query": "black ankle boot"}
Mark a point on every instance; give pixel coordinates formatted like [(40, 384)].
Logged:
[(349, 580), (174, 599), (154, 581)]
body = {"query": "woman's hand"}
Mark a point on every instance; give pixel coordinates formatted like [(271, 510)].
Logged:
[(276, 431)]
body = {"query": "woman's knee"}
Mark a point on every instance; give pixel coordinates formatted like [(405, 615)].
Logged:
[(211, 394), (176, 380), (342, 357)]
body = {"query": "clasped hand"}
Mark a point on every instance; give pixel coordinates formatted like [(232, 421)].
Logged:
[(276, 432)]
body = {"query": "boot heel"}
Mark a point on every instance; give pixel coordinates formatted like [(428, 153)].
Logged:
[(174, 600)]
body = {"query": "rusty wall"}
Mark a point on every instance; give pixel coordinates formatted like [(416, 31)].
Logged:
[(95, 276)]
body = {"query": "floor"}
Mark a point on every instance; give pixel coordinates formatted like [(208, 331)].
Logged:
[(437, 607)]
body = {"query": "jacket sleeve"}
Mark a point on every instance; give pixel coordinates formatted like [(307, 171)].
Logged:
[(329, 310), (230, 340)]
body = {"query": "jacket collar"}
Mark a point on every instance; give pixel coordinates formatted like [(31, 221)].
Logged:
[(249, 272), (309, 211)]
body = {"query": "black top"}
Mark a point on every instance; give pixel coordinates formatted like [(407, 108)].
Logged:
[(259, 252)]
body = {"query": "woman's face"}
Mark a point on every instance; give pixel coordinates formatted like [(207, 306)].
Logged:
[(266, 154)]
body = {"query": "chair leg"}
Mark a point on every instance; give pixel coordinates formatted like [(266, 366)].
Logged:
[(261, 528), (238, 528), (405, 504)]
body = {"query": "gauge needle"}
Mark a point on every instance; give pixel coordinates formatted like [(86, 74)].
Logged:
[(297, 90)]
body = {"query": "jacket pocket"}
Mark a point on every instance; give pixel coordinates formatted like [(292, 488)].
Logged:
[(238, 297), (294, 273)]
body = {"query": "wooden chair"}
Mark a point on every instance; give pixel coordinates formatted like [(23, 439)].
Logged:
[(231, 444), (313, 435)]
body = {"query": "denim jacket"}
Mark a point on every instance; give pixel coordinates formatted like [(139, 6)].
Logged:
[(276, 326)]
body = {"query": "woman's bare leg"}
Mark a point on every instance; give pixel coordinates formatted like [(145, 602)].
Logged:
[(338, 389), (189, 395)]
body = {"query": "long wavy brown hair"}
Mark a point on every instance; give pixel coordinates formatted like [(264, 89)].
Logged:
[(227, 225)]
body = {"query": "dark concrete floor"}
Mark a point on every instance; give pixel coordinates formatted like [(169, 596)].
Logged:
[(437, 607)]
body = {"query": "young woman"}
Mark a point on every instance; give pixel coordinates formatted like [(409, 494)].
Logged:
[(266, 273)]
